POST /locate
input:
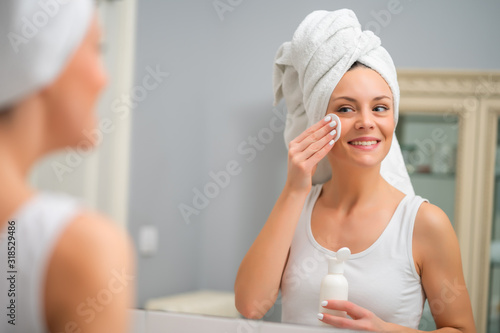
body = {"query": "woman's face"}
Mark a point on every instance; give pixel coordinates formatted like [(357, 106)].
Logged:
[(71, 99), (364, 103)]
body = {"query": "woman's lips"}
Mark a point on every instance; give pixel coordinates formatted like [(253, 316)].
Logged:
[(365, 143)]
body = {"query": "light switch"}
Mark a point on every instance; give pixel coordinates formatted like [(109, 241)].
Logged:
[(148, 240)]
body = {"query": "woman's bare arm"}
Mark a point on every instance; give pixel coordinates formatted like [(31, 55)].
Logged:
[(259, 276), (437, 253)]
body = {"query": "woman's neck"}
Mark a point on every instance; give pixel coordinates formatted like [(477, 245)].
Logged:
[(351, 185), (20, 147), (14, 189)]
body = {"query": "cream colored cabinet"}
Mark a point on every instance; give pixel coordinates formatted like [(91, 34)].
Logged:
[(449, 136), (494, 276)]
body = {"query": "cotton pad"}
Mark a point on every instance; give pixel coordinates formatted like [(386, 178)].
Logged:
[(338, 129)]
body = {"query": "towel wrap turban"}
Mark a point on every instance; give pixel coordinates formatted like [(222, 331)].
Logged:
[(38, 38)]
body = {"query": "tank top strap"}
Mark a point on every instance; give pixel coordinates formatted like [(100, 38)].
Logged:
[(407, 226), (305, 215), (312, 198)]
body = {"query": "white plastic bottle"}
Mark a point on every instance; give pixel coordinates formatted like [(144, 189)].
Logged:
[(334, 285)]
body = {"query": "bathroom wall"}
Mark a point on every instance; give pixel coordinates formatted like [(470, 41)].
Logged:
[(213, 110)]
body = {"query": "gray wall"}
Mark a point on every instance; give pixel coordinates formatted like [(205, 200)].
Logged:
[(219, 93)]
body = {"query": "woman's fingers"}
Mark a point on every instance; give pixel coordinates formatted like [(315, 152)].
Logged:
[(354, 311), (362, 319), (305, 151), (314, 143), (339, 322), (317, 150), (314, 133)]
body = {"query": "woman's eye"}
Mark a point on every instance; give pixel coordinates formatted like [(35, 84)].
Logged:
[(380, 108), (344, 109)]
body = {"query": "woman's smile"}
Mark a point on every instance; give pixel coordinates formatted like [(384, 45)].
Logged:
[(364, 143)]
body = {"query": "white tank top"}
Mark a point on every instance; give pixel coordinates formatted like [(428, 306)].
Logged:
[(381, 278), (30, 236)]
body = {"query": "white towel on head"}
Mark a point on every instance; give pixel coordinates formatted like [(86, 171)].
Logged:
[(38, 39), (308, 68)]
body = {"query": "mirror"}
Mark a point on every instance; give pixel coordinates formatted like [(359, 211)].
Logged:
[(207, 156)]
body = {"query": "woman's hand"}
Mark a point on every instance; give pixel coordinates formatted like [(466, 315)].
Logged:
[(362, 319), (305, 152)]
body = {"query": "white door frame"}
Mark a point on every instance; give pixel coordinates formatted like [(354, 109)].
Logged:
[(101, 178)]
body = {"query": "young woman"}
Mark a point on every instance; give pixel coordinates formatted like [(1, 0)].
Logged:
[(404, 248), (64, 269)]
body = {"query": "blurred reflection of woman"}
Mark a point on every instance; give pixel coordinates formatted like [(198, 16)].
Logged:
[(64, 269), (404, 248)]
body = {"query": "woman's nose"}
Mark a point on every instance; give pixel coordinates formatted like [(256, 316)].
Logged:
[(364, 120)]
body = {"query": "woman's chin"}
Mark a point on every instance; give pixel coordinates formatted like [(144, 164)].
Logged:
[(367, 162)]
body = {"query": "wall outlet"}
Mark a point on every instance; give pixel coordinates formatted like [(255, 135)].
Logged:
[(148, 240)]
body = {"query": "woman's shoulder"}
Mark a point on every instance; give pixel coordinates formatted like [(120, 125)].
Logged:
[(91, 240), (431, 222), (431, 218), (433, 234), (91, 254), (94, 230)]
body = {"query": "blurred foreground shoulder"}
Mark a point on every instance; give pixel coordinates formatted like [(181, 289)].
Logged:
[(90, 278)]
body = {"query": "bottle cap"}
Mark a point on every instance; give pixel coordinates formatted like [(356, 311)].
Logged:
[(336, 265)]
